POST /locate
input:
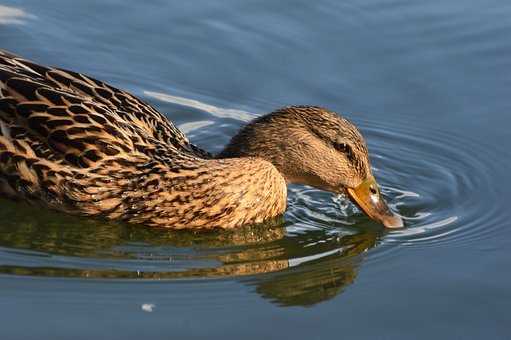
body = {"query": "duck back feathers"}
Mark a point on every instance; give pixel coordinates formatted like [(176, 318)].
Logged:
[(78, 145)]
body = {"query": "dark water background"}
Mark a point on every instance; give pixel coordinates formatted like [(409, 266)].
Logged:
[(428, 83)]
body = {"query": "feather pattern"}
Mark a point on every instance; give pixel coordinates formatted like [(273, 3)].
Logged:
[(78, 145)]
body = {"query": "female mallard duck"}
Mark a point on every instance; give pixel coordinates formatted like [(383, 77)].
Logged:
[(78, 145)]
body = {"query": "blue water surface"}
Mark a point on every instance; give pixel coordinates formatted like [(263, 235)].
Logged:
[(427, 82)]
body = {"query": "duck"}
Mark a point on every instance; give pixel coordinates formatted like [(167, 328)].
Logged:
[(74, 144)]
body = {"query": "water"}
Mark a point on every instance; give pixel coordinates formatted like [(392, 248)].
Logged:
[(427, 83)]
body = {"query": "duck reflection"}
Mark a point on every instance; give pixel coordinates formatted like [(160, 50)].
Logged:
[(287, 268), (316, 280)]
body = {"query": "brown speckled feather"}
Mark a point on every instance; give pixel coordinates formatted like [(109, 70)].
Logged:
[(78, 145)]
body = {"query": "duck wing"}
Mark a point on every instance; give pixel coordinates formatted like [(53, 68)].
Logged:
[(83, 119)]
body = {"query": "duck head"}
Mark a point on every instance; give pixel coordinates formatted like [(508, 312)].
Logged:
[(316, 147)]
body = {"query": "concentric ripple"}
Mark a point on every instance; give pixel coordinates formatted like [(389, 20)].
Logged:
[(436, 180)]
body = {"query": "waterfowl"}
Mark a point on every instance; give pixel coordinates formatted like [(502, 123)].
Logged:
[(77, 145)]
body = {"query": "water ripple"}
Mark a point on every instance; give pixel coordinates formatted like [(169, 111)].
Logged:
[(430, 176), (446, 173), (13, 15)]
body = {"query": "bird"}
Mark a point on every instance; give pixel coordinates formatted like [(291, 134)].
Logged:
[(73, 144)]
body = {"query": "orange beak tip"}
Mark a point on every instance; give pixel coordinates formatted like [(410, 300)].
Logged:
[(373, 204), (393, 222)]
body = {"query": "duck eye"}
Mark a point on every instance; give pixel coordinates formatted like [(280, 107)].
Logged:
[(373, 190), (342, 147)]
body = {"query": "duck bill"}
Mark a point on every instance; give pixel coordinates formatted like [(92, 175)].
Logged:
[(373, 204)]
